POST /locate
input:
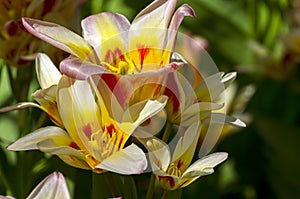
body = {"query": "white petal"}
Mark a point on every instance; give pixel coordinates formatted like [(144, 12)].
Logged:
[(130, 160), (205, 165), (30, 141), (151, 108), (53, 186)]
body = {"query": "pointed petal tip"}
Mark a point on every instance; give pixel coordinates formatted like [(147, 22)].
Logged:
[(189, 11)]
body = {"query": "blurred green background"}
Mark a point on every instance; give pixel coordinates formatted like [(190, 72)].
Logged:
[(260, 39)]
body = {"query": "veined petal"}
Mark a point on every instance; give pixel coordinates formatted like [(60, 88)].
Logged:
[(202, 167), (47, 72), (53, 186), (107, 33), (60, 37), (78, 111), (31, 141), (130, 160)]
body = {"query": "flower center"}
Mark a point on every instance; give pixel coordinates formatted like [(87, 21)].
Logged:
[(173, 170), (107, 142)]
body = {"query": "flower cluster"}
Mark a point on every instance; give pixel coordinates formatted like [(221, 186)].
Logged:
[(124, 84)]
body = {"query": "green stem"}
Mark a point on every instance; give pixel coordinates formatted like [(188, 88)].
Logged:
[(176, 194), (100, 189), (130, 191), (151, 187), (113, 183)]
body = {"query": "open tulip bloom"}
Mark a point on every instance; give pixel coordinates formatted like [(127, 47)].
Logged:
[(124, 80)]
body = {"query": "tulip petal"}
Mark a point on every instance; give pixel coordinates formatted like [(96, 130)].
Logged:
[(53, 186), (107, 33), (47, 72), (31, 141), (147, 50), (78, 69), (186, 146), (59, 37), (47, 100), (151, 108), (78, 111), (159, 154), (202, 167), (183, 11), (213, 86), (156, 15), (168, 182), (130, 160)]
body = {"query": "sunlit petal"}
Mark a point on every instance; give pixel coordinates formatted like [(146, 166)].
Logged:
[(47, 72), (59, 37), (31, 141), (78, 110), (130, 160), (204, 166), (107, 33)]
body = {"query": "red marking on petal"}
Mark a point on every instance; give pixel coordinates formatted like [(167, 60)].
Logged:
[(182, 184), (112, 57), (169, 179), (74, 145), (173, 99), (121, 142), (87, 130), (179, 164), (143, 53), (111, 80), (111, 129)]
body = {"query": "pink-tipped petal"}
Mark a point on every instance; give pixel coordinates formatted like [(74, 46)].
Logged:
[(53, 186), (78, 69), (59, 37)]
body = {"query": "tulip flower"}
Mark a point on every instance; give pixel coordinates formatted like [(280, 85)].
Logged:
[(174, 171), (53, 186), (133, 63), (92, 138)]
